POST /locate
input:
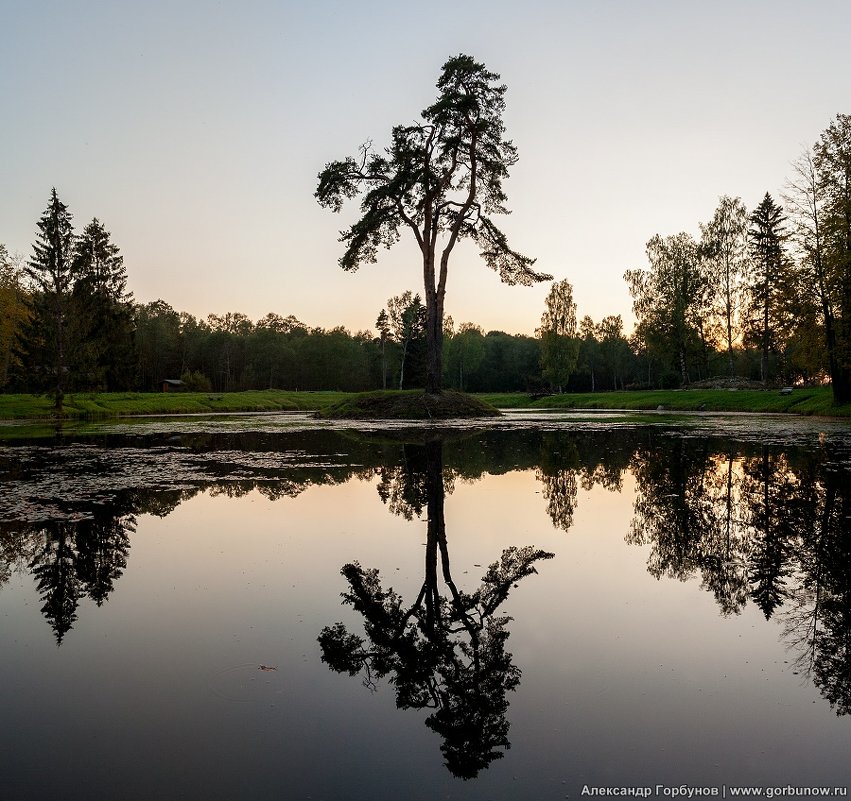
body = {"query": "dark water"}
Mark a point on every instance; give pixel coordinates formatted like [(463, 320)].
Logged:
[(259, 610)]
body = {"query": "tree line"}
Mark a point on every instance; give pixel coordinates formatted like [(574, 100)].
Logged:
[(764, 294), (773, 282), (69, 324)]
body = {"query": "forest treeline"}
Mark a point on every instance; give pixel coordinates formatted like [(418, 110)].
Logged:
[(762, 295)]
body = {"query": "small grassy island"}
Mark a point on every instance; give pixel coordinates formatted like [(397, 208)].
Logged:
[(408, 405)]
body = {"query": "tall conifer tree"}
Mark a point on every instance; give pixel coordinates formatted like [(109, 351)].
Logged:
[(46, 339), (102, 312), (766, 236)]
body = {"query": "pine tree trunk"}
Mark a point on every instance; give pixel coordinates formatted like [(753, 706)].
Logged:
[(434, 295), (434, 342)]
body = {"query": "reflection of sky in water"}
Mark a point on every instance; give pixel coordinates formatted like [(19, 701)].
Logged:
[(626, 679)]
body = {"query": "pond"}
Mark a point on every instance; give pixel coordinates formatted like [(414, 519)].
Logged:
[(262, 607)]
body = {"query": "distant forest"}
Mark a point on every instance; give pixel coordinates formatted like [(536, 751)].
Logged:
[(761, 295)]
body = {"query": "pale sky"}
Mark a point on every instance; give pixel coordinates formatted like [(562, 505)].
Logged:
[(195, 131)]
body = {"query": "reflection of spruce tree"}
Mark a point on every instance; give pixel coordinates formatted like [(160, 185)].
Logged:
[(78, 558), (443, 653), (102, 547), (771, 515), (55, 571)]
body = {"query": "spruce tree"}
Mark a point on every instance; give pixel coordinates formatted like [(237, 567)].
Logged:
[(46, 339), (766, 236), (102, 313)]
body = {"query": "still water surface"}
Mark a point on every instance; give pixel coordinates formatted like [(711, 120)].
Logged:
[(257, 609)]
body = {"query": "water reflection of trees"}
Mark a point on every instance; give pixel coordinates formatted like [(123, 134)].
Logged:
[(446, 650), (762, 524), (70, 559), (754, 523), (567, 461)]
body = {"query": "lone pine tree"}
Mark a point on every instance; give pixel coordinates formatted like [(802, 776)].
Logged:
[(441, 179)]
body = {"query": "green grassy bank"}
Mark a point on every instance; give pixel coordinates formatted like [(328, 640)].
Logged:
[(808, 401), (84, 406), (102, 405)]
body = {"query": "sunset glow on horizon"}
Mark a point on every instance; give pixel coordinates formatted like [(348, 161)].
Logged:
[(195, 134)]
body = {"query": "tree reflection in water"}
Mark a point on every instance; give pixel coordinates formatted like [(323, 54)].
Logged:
[(72, 559), (758, 523), (754, 523), (443, 652)]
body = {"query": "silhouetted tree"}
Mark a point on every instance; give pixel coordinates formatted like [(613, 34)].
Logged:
[(102, 313), (767, 273), (559, 343), (832, 157), (725, 246), (441, 177), (46, 339), (670, 299)]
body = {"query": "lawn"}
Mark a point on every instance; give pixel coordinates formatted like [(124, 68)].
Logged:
[(123, 404), (808, 401)]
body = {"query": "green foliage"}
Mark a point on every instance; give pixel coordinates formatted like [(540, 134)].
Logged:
[(193, 381), (769, 271), (14, 313), (724, 246), (101, 314), (405, 322), (613, 349), (559, 355), (466, 352), (46, 339), (670, 300), (559, 343)]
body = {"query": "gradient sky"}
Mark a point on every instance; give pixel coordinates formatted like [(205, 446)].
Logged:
[(195, 131)]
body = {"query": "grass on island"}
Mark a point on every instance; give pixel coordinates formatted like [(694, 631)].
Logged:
[(408, 405)]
